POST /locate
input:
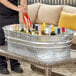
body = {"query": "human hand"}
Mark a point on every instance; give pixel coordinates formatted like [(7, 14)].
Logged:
[(22, 9)]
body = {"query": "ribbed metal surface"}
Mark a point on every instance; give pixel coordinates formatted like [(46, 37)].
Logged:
[(54, 2), (42, 54), (43, 48), (34, 38)]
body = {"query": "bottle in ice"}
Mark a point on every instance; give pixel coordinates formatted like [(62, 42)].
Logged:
[(63, 30), (16, 27), (22, 29), (58, 30), (28, 29), (36, 32), (43, 29), (53, 30), (33, 29)]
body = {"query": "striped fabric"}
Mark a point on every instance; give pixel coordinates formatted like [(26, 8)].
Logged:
[(54, 2)]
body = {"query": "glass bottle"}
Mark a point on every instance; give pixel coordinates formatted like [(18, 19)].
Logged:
[(43, 29), (39, 30), (28, 28), (58, 31), (53, 30), (34, 29), (22, 29), (16, 27), (36, 32), (63, 30), (46, 30)]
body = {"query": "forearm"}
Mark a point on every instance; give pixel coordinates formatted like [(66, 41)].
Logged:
[(23, 3), (9, 5)]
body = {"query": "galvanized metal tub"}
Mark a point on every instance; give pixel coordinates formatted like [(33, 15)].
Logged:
[(43, 48)]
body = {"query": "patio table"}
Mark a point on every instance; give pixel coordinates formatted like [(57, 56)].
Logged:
[(47, 67), (45, 51)]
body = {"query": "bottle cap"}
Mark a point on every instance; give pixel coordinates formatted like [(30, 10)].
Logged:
[(44, 24)]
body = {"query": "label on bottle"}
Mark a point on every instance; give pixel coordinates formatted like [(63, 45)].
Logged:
[(46, 30)]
